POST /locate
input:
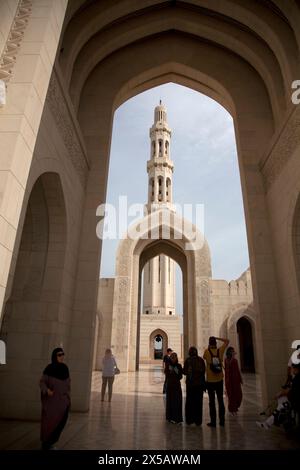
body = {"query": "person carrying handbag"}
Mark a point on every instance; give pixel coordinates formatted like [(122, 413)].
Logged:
[(109, 370)]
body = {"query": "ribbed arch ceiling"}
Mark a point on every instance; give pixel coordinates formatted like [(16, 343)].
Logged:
[(291, 10), (149, 62), (258, 32), (198, 25)]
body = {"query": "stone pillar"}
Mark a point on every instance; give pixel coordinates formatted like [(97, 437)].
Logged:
[(20, 119)]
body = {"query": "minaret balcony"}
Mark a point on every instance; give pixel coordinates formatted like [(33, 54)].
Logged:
[(160, 162), (159, 127)]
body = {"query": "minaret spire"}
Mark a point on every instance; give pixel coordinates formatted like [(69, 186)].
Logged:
[(160, 166), (159, 272)]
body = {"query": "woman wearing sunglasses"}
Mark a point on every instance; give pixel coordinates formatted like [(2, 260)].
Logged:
[(55, 396)]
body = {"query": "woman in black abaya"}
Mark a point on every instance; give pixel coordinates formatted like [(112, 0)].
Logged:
[(173, 371), (194, 369), (55, 396)]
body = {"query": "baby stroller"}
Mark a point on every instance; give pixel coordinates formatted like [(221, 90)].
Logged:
[(285, 417), (269, 410), (279, 412)]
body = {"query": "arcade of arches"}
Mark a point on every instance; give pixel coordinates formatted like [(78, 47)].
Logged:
[(77, 61)]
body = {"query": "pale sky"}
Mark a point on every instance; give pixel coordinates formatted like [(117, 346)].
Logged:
[(206, 171)]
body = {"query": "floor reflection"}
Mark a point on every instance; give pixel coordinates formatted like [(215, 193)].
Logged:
[(135, 419)]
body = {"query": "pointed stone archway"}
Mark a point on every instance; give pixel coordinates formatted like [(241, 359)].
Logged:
[(245, 335), (35, 305), (132, 256), (241, 329), (245, 55)]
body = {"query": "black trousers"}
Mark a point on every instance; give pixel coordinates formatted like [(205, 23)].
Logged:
[(216, 388)]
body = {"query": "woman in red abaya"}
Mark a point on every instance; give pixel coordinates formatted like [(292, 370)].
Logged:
[(233, 381)]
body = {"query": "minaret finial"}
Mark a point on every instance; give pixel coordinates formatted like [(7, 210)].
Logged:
[(160, 102)]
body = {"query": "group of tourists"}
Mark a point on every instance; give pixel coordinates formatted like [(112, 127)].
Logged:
[(202, 374)]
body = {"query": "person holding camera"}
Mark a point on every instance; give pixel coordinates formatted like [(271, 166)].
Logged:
[(214, 378)]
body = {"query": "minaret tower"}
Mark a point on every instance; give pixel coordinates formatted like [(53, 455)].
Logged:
[(160, 166), (159, 273)]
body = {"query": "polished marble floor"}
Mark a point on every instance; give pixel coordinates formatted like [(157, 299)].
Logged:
[(135, 420)]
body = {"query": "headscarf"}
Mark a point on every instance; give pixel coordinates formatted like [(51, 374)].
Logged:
[(193, 352), (195, 365), (230, 352), (56, 369)]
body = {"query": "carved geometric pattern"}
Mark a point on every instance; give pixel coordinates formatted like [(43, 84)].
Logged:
[(123, 289), (66, 126), (283, 149), (123, 268), (204, 302), (204, 265), (15, 36)]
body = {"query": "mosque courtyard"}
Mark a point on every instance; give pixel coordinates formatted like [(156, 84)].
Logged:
[(135, 419)]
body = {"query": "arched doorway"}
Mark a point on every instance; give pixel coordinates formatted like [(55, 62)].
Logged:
[(162, 311), (180, 342), (158, 344), (245, 338), (158, 347), (33, 309)]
